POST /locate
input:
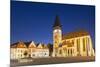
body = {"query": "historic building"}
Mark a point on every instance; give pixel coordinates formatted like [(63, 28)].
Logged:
[(18, 50), (77, 43), (28, 50)]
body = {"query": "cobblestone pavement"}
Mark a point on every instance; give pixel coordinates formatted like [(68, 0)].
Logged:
[(53, 60)]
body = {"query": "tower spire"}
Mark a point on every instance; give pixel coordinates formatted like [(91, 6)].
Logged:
[(57, 22), (57, 36)]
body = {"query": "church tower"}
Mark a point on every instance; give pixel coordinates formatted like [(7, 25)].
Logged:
[(57, 36)]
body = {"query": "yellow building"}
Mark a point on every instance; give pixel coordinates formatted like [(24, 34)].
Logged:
[(77, 43)]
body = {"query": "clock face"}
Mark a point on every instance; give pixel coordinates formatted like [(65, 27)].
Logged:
[(57, 31)]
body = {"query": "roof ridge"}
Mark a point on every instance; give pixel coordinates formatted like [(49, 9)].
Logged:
[(75, 34)]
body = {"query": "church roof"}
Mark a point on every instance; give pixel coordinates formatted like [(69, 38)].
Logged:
[(75, 34), (57, 22)]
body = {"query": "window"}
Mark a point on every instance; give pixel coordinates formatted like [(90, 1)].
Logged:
[(64, 43), (45, 54), (21, 55), (78, 45), (18, 55), (33, 54), (68, 51), (84, 44), (71, 51), (72, 42), (21, 51), (88, 43)]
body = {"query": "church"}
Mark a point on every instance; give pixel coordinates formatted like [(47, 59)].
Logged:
[(78, 43)]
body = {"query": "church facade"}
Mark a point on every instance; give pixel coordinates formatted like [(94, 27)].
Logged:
[(78, 43)]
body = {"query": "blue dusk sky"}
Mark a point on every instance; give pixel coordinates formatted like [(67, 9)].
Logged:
[(34, 21)]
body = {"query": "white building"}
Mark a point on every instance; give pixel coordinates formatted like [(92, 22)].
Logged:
[(18, 50), (38, 51), (28, 50)]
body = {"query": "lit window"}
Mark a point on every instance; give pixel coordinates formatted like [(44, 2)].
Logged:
[(78, 44), (88, 44), (68, 51), (84, 44)]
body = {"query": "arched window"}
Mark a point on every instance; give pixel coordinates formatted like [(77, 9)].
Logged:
[(68, 52), (84, 44), (72, 42), (78, 45), (88, 44), (71, 52)]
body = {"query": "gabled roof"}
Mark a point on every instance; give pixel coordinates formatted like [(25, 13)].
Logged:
[(19, 44), (32, 45), (14, 45), (75, 34), (29, 44), (40, 46), (43, 46)]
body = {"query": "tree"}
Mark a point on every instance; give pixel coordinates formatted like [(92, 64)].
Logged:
[(50, 46)]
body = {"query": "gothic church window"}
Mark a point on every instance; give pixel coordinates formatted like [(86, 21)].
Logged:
[(78, 44), (84, 44)]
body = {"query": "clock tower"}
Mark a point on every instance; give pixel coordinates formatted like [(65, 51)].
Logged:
[(57, 36)]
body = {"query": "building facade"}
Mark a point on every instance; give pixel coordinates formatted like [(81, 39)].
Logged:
[(28, 50), (17, 50), (77, 43)]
